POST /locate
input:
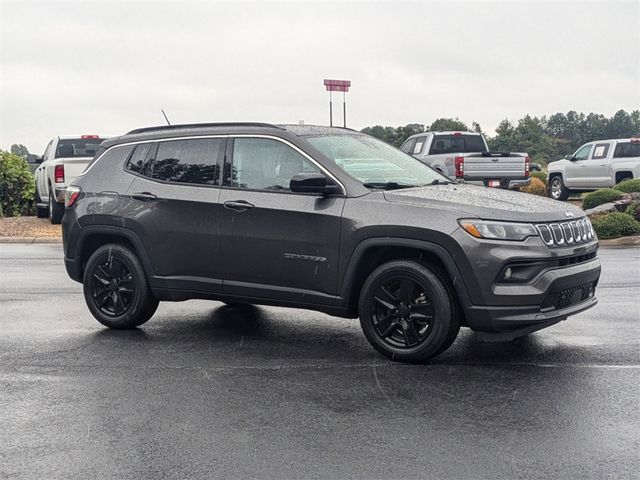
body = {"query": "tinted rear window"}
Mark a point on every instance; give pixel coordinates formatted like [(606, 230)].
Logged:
[(627, 149), (189, 161), (457, 144), (78, 147)]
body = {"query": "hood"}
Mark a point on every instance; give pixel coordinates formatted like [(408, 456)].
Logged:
[(487, 203)]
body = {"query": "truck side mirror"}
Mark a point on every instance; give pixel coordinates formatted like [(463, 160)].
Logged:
[(569, 157), (32, 158)]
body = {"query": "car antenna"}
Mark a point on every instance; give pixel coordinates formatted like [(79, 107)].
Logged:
[(165, 116)]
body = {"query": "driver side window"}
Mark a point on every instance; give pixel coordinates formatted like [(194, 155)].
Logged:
[(265, 164), (583, 153)]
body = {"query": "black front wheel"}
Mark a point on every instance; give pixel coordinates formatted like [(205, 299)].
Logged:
[(406, 312), (557, 190), (116, 288)]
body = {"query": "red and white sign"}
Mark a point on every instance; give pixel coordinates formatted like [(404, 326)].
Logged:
[(337, 85)]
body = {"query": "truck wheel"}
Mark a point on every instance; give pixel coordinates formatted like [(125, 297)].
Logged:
[(56, 211), (41, 212), (406, 312), (557, 190), (116, 289)]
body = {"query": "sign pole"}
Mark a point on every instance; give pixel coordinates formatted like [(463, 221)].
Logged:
[(330, 110), (344, 110)]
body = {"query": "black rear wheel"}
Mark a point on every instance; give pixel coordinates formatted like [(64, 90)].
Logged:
[(406, 312), (56, 210), (116, 288), (41, 212)]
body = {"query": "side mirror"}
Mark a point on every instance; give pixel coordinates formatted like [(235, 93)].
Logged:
[(313, 183), (32, 158), (569, 157)]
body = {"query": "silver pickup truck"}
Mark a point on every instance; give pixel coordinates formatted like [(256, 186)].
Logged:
[(599, 164), (464, 156)]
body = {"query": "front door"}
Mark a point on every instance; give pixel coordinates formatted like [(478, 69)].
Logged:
[(276, 243), (576, 169)]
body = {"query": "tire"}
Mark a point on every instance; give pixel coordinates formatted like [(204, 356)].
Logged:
[(116, 288), (407, 312), (41, 212), (56, 211), (557, 190)]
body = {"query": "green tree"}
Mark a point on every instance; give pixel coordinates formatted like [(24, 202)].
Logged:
[(17, 187), (448, 124), (19, 149)]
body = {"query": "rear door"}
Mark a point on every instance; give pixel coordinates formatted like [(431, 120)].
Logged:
[(597, 173), (173, 207), (276, 243)]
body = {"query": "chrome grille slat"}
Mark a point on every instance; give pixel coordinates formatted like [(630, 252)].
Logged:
[(566, 233)]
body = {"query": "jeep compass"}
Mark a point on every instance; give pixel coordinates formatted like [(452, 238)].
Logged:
[(320, 218)]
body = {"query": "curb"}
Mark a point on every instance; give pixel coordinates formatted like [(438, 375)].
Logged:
[(632, 241), (30, 240)]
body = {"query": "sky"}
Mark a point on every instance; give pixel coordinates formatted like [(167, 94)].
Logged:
[(101, 67)]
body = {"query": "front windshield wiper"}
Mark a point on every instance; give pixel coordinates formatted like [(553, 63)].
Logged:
[(437, 181), (388, 185)]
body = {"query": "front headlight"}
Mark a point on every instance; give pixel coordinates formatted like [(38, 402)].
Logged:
[(493, 230)]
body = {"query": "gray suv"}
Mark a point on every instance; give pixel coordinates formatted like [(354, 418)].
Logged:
[(320, 218)]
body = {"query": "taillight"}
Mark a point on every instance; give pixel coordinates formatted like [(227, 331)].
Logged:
[(71, 194), (459, 163), (58, 174), (527, 167)]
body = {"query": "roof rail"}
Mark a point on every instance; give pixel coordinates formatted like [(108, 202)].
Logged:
[(202, 125)]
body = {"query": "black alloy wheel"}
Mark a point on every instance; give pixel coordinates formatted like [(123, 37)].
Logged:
[(112, 287), (408, 311), (402, 312), (116, 288)]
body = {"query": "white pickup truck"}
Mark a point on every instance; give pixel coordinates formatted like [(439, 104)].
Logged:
[(65, 157), (466, 157), (599, 164)]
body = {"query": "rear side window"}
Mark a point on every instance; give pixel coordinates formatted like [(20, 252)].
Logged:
[(457, 144), (189, 161), (138, 157), (627, 150), (77, 147), (111, 156), (600, 151)]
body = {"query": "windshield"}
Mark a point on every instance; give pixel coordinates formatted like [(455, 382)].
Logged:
[(78, 147), (374, 163)]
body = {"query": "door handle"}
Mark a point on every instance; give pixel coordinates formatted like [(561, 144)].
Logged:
[(144, 196), (238, 205)]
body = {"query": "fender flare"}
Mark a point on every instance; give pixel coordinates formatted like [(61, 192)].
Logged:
[(93, 230), (439, 251)]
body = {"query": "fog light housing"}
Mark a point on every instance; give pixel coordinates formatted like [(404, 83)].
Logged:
[(507, 273)]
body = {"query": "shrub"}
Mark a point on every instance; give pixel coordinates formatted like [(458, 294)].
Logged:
[(633, 209), (614, 225), (629, 186), (536, 187), (542, 176), (604, 195), (17, 187)]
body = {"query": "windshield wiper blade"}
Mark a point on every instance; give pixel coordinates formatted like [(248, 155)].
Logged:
[(437, 181), (388, 185)]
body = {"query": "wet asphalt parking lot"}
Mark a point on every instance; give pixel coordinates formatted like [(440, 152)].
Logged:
[(208, 391)]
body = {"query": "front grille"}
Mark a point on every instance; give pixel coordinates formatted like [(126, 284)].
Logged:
[(569, 296), (567, 233)]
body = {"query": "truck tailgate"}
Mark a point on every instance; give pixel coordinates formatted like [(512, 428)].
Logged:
[(478, 166), (74, 167)]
